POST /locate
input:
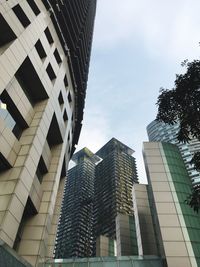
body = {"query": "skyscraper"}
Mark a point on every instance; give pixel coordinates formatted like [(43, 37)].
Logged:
[(98, 192), (75, 236), (44, 61), (159, 131), (114, 178)]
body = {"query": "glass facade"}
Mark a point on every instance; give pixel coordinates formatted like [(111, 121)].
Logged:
[(9, 258), (162, 132), (182, 188), (133, 236), (123, 261), (177, 226)]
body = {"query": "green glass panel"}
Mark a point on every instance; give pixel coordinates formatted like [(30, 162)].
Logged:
[(126, 263), (96, 264), (80, 264), (182, 184), (111, 247), (110, 264)]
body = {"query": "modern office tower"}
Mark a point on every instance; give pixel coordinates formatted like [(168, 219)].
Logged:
[(45, 50), (114, 178), (162, 132), (75, 236), (177, 226)]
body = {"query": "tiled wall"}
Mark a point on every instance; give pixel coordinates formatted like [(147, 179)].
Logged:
[(126, 238), (37, 91), (143, 221)]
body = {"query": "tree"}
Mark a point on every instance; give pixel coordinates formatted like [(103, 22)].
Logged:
[(182, 104)]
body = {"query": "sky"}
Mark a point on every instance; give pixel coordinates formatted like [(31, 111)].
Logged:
[(138, 47)]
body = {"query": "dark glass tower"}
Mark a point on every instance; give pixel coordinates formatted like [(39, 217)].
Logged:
[(75, 234), (114, 178)]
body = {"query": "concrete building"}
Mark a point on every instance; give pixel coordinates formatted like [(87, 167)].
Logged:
[(44, 60), (162, 132), (176, 225)]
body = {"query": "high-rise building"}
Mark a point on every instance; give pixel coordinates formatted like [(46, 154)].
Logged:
[(44, 60), (162, 132), (176, 225), (98, 192), (75, 236), (114, 178)]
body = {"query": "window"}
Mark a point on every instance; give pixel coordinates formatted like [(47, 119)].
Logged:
[(57, 56), (54, 136), (48, 35), (65, 117), (50, 72), (41, 169), (69, 98), (65, 81), (30, 84), (40, 49), (60, 99), (19, 12), (4, 165), (11, 115), (6, 33), (34, 7)]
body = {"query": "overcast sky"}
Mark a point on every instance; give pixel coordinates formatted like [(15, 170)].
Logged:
[(138, 47)]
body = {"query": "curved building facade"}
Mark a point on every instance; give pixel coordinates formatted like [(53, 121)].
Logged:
[(44, 61), (177, 226), (162, 132)]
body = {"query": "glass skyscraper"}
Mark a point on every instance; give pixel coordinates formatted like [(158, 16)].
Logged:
[(159, 131)]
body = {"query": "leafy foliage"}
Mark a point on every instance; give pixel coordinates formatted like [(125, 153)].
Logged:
[(194, 199), (182, 104)]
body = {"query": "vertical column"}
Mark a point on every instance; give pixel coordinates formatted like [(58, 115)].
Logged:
[(57, 209), (34, 243)]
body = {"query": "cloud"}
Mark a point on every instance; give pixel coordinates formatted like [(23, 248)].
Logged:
[(96, 130), (137, 48), (167, 29)]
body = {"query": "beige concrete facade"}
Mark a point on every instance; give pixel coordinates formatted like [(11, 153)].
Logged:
[(126, 235), (36, 128), (143, 221), (176, 223), (105, 246)]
